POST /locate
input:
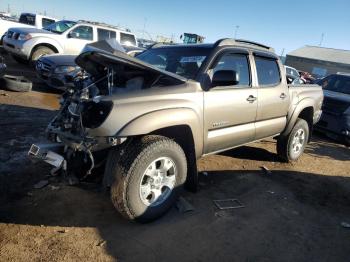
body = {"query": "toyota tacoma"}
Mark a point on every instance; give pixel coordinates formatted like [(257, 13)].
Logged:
[(147, 120)]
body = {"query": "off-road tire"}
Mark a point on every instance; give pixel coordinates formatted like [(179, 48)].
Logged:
[(39, 52), (128, 167), (285, 143)]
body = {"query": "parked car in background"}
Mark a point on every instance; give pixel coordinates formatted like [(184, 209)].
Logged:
[(25, 20), (293, 76), (54, 69), (335, 120), (63, 37), (307, 77)]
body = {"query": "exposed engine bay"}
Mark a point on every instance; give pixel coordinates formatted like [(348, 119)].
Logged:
[(87, 103)]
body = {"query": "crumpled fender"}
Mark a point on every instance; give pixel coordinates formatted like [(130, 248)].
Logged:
[(155, 120)]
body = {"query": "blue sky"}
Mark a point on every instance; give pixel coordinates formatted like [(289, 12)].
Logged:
[(281, 24)]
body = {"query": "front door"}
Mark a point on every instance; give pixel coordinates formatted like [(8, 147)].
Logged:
[(77, 38), (230, 111)]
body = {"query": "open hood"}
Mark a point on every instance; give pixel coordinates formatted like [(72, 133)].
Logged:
[(96, 57)]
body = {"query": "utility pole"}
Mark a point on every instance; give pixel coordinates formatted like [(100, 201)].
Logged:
[(8, 8), (144, 27), (321, 41), (236, 31), (282, 53)]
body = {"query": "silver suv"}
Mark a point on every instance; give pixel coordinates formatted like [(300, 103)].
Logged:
[(64, 37)]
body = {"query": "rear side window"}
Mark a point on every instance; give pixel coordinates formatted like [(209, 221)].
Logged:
[(267, 71), (127, 39), (236, 62), (27, 19), (82, 32), (46, 22), (103, 34)]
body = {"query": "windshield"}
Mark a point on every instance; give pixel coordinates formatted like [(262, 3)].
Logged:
[(60, 26), (337, 83), (184, 61)]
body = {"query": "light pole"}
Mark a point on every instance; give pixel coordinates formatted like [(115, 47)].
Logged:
[(236, 31)]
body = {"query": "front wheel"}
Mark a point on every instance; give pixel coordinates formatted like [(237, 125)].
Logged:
[(39, 52), (148, 177), (292, 146)]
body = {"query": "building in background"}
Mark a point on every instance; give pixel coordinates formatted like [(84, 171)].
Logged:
[(319, 61)]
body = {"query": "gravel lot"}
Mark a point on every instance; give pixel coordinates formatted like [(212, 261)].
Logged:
[(293, 213)]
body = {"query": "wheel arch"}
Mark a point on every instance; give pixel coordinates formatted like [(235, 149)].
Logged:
[(48, 45), (305, 110)]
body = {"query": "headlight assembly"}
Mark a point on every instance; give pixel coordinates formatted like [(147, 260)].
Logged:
[(65, 69)]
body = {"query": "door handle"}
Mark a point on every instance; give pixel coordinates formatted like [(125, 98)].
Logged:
[(283, 96), (251, 99)]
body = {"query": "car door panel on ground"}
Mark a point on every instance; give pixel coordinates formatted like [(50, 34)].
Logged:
[(78, 37), (273, 96), (230, 111)]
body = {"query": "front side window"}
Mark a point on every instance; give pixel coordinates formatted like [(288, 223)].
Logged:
[(60, 26), (127, 39), (103, 34), (46, 22), (267, 70), (235, 62), (82, 32)]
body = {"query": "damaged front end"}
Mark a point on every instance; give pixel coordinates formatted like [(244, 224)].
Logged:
[(86, 106)]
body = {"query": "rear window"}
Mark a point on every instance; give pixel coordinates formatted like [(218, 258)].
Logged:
[(340, 84), (27, 19), (127, 39), (267, 71), (103, 34), (46, 22)]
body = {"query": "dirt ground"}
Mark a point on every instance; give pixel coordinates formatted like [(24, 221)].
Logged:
[(293, 213)]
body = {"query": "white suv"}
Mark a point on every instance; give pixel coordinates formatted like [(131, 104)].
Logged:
[(64, 37)]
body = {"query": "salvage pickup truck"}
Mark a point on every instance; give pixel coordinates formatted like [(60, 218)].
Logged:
[(151, 117)]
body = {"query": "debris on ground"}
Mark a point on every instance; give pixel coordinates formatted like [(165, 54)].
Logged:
[(54, 188), (41, 184), (62, 231), (183, 205), (29, 194), (345, 224), (266, 170), (101, 243), (231, 203), (271, 192)]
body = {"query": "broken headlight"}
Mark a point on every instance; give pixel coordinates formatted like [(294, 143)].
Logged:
[(94, 114)]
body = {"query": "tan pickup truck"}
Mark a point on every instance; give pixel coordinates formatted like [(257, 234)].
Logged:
[(151, 117)]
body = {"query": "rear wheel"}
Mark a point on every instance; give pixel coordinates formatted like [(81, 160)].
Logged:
[(39, 52), (148, 177), (292, 146)]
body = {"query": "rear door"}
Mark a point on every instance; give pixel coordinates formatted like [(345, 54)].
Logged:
[(77, 38), (229, 116), (273, 95)]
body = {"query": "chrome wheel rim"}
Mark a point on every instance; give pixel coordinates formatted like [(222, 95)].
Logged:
[(158, 181), (298, 141)]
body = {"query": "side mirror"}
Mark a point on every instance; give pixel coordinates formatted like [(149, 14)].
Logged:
[(73, 35), (225, 78)]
